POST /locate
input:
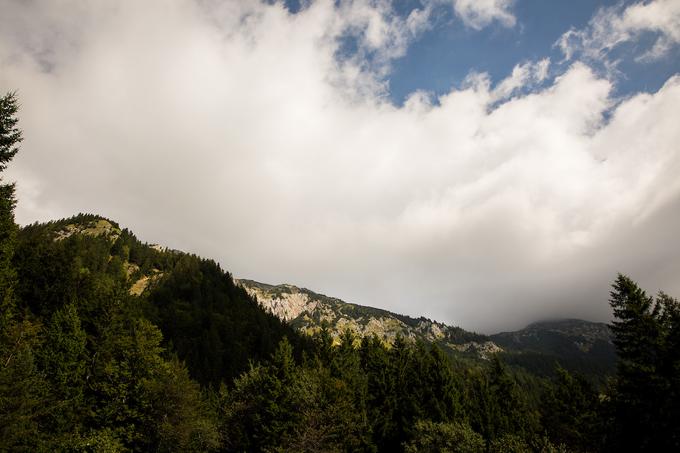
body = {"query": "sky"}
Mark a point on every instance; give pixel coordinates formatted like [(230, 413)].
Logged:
[(485, 163)]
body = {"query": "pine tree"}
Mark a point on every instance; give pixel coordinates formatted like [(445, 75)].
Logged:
[(63, 359), (441, 396), (263, 408), (10, 137), (497, 407), (670, 369), (178, 419), (571, 412), (637, 338), (646, 334), (22, 389), (431, 437)]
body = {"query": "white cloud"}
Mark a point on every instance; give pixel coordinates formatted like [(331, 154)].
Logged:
[(478, 14), (523, 75), (232, 130), (381, 34), (620, 24)]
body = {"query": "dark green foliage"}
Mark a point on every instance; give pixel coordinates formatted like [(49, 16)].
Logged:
[(79, 268), (645, 400), (497, 406), (7, 244), (374, 398), (23, 390), (96, 373), (178, 417), (10, 134), (24, 396), (571, 412), (345, 399), (148, 402), (63, 359), (212, 324), (431, 437), (10, 137), (102, 376), (576, 345), (286, 407), (508, 443)]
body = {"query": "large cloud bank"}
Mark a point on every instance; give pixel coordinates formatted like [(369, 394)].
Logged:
[(240, 131)]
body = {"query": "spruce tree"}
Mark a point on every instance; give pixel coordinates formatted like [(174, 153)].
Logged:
[(570, 412), (22, 389), (637, 338), (10, 137), (63, 359), (644, 403)]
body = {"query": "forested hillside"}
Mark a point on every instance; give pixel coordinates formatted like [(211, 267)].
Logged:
[(113, 330), (577, 345), (111, 345), (86, 260)]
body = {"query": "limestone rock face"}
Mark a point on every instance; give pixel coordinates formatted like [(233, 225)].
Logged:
[(103, 228), (96, 228), (484, 349), (309, 312), (144, 282), (285, 305)]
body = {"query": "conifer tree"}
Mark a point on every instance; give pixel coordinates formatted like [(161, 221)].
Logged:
[(571, 412), (497, 407), (636, 336), (431, 437), (22, 389), (670, 369), (646, 396), (63, 359), (441, 397), (10, 137)]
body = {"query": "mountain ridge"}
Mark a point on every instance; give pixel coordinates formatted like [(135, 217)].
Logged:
[(574, 343)]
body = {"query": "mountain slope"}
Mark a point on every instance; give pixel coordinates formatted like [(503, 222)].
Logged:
[(577, 345), (208, 321), (119, 313), (308, 312), (215, 325)]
